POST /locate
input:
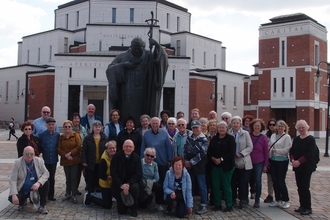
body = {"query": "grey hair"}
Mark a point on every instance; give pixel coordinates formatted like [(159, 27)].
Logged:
[(151, 150), (226, 114), (182, 119), (237, 118), (97, 123), (203, 119), (172, 119), (303, 122), (223, 123), (144, 116)]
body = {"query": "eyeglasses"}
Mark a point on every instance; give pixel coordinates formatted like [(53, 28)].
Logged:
[(67, 126), (225, 118), (27, 129), (271, 125), (170, 123), (181, 125), (46, 112), (29, 154), (151, 156)]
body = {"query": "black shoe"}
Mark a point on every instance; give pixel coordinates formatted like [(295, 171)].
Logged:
[(300, 209), (228, 209), (241, 204), (8, 139), (235, 204), (133, 213), (269, 199), (217, 208), (79, 193), (256, 205), (51, 199), (306, 212)]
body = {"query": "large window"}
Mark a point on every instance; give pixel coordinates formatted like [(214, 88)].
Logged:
[(114, 14), (131, 15)]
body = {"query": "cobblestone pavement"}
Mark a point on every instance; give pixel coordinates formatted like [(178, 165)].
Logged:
[(59, 209)]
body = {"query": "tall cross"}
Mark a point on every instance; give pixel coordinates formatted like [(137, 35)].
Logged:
[(151, 22), (122, 40)]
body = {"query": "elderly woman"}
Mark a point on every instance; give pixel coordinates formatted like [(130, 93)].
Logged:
[(180, 137), (243, 162), (302, 155), (77, 127), (280, 144), (105, 178), (27, 139), (220, 155), (226, 116), (93, 147), (150, 180), (112, 129), (203, 122), (259, 155), (171, 127), (129, 132), (145, 124), (178, 189), (69, 148), (270, 130)]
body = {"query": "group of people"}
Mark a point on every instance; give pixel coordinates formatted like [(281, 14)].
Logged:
[(175, 160)]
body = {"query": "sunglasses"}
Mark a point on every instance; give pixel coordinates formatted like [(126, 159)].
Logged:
[(151, 156), (225, 118), (67, 126), (271, 124), (170, 123), (27, 129), (46, 112), (181, 125), (29, 154)]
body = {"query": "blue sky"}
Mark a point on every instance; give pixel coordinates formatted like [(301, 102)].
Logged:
[(234, 23)]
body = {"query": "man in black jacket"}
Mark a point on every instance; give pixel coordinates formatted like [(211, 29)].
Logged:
[(126, 172)]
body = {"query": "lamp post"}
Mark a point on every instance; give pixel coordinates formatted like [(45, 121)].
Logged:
[(326, 154), (28, 92)]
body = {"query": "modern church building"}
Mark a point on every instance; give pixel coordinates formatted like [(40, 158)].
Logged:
[(64, 68)]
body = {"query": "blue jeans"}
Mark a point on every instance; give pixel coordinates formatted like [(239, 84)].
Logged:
[(257, 170), (202, 188)]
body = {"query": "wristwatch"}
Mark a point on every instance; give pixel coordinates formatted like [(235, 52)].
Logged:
[(221, 158)]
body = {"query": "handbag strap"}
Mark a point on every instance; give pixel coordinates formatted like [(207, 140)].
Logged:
[(254, 142), (275, 142)]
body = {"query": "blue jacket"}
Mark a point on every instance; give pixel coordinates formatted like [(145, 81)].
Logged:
[(168, 186), (85, 124), (48, 146), (110, 131)]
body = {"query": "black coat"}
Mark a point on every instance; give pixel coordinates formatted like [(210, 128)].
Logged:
[(118, 170), (23, 142), (134, 135), (89, 150), (225, 148)]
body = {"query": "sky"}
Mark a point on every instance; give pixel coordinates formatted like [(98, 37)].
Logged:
[(235, 23)]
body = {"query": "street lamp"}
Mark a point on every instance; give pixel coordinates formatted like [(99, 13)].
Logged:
[(326, 154), (29, 91), (213, 96)]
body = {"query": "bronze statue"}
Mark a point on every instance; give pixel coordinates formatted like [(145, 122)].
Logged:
[(136, 78)]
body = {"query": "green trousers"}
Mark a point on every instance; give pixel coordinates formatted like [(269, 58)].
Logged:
[(221, 182)]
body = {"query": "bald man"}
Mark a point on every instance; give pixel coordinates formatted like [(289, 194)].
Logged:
[(126, 172), (90, 117), (29, 174)]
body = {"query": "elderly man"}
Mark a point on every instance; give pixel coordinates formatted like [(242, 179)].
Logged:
[(40, 123), (29, 174), (195, 115), (159, 139), (180, 137), (213, 115), (90, 117), (126, 172), (48, 148), (194, 154)]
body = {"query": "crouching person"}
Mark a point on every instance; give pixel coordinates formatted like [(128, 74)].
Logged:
[(178, 189), (126, 172), (150, 180), (29, 174)]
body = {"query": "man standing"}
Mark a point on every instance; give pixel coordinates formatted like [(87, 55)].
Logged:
[(136, 78), (90, 117), (194, 154), (213, 115), (48, 150), (195, 115), (126, 172), (29, 174), (159, 139), (180, 137), (40, 123)]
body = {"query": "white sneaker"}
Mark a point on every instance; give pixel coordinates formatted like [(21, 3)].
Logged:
[(274, 204), (159, 207), (286, 205)]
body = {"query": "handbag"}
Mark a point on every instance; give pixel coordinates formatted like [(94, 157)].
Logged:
[(240, 162)]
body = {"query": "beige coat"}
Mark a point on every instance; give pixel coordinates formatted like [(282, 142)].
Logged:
[(19, 173), (245, 148)]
